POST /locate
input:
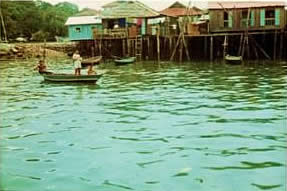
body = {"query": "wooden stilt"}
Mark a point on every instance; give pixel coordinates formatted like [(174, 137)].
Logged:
[(262, 50), (170, 44), (247, 47), (274, 45), (255, 51), (205, 46), (243, 46), (211, 48), (158, 46), (225, 46), (175, 48), (180, 51), (240, 45), (93, 51), (100, 47), (148, 48), (281, 44), (129, 47), (186, 48), (124, 47)]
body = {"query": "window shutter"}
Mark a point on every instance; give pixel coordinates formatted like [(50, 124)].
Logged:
[(230, 19), (262, 17), (252, 18), (277, 17)]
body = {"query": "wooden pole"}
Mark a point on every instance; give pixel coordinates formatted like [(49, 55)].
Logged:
[(100, 47), (3, 26), (240, 45), (247, 47), (185, 47), (255, 51), (93, 51), (243, 47), (175, 48), (274, 45), (281, 44), (158, 45), (262, 50), (205, 46), (124, 47), (170, 44), (224, 46), (211, 48), (148, 48), (129, 47), (180, 51)]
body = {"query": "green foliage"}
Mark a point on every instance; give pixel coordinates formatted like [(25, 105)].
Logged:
[(37, 19), (39, 36)]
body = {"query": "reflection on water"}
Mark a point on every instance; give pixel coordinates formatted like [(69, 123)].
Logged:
[(144, 126)]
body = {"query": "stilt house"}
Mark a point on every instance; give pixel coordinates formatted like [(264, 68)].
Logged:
[(234, 16), (177, 13), (125, 18), (82, 27)]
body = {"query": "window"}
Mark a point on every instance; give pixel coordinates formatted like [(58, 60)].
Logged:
[(244, 18), (227, 17), (270, 17), (78, 29)]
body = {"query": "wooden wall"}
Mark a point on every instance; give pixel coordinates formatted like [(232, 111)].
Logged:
[(216, 23)]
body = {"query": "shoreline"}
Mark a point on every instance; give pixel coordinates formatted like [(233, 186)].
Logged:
[(18, 51)]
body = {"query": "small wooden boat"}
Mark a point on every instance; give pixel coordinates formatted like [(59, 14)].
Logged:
[(92, 60), (126, 60), (233, 59), (71, 77)]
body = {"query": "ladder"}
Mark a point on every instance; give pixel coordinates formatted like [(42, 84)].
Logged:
[(139, 44)]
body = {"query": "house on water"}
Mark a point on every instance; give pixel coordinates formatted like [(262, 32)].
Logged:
[(233, 16), (120, 16), (82, 27), (179, 13)]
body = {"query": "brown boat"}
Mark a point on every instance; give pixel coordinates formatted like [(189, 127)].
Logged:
[(91, 60)]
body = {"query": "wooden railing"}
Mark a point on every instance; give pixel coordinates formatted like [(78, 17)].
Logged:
[(110, 33), (269, 21)]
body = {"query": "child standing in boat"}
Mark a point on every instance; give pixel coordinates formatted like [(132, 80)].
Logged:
[(77, 59)]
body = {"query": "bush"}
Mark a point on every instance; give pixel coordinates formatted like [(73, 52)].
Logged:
[(40, 36)]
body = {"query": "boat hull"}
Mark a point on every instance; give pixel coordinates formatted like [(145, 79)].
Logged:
[(92, 60), (71, 78), (125, 61), (234, 60)]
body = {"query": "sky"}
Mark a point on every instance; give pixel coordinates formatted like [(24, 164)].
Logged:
[(155, 4)]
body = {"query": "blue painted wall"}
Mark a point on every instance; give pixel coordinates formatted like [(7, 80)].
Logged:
[(82, 32)]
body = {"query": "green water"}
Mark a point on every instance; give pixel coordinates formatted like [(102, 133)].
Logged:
[(145, 127)]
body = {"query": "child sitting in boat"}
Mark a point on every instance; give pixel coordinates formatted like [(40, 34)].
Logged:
[(42, 68), (91, 71)]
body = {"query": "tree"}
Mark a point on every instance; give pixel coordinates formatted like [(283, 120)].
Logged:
[(25, 18)]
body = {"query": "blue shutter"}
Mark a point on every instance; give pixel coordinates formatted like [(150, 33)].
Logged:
[(230, 19), (277, 17), (143, 28), (252, 21), (262, 17)]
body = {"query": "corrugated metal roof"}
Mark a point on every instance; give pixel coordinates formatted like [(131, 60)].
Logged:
[(175, 12), (240, 5), (127, 9), (89, 12), (83, 20)]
